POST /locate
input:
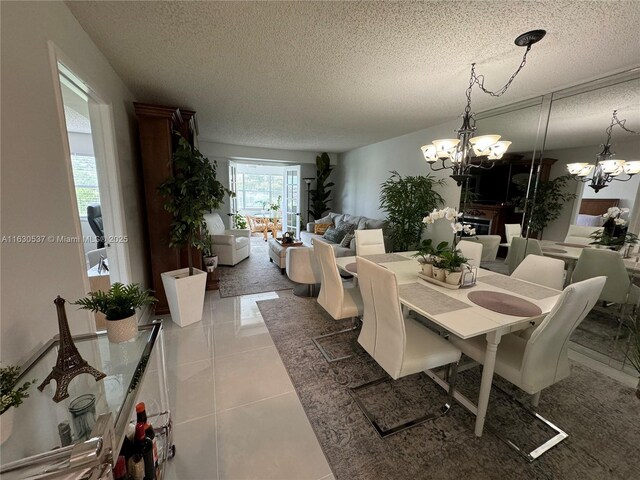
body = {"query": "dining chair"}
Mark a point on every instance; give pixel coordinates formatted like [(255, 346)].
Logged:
[(519, 249), (472, 251), (400, 345), (340, 299), (545, 271), (490, 245), (369, 242), (538, 362), (580, 234), (511, 230)]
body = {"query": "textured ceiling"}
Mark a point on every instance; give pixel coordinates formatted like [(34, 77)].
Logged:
[(336, 75)]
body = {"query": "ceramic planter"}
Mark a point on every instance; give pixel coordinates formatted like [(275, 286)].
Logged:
[(427, 269), (185, 295), (211, 263), (123, 330), (439, 274), (453, 278), (6, 424)]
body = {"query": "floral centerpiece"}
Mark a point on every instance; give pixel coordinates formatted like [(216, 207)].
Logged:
[(447, 261), (614, 233)]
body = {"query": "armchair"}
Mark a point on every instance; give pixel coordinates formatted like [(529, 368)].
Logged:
[(231, 246)]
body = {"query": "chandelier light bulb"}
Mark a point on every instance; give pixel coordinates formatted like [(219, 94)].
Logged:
[(429, 152), (481, 145), (612, 167), (446, 147), (632, 168), (498, 149)]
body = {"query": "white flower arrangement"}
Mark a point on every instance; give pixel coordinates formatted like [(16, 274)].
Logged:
[(615, 213), (452, 215)]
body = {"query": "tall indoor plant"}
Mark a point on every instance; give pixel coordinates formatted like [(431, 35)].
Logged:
[(11, 397), (320, 196), (407, 200), (190, 193), (551, 196)]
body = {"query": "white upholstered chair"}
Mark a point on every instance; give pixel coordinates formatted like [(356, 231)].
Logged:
[(369, 242), (595, 262), (538, 362), (472, 251), (519, 249), (231, 246), (541, 270), (340, 299), (93, 256), (490, 245), (302, 268), (580, 235), (400, 345), (511, 230)]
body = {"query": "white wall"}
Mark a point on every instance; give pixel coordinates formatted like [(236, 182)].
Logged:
[(361, 171), (36, 195), (625, 191), (223, 153)]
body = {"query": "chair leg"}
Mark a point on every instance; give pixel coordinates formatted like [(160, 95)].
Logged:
[(535, 399), (326, 355), (411, 423)]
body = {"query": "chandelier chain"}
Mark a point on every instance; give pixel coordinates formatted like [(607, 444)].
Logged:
[(479, 79)]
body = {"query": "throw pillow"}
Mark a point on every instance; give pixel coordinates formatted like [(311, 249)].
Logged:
[(326, 219), (321, 228), (346, 241), (336, 234)]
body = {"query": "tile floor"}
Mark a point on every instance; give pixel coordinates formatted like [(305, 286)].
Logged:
[(236, 414)]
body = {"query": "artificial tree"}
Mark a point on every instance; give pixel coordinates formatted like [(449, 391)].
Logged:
[(407, 200), (320, 196), (190, 193)]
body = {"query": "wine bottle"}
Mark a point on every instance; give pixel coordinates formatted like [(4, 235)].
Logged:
[(135, 467), (141, 417), (144, 447)]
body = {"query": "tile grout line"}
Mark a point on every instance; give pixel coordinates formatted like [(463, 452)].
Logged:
[(255, 401)]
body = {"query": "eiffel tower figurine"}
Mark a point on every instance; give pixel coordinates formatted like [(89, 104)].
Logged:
[(69, 363)]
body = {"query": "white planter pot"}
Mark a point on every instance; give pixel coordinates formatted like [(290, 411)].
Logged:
[(453, 278), (427, 269), (6, 424), (439, 274), (185, 295), (122, 330)]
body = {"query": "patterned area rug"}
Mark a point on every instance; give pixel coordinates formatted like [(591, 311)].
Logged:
[(600, 415), (253, 275)]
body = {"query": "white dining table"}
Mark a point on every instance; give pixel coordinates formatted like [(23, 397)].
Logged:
[(469, 321), (570, 255)]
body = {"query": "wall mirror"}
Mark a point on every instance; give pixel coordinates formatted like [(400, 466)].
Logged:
[(494, 197), (576, 128)]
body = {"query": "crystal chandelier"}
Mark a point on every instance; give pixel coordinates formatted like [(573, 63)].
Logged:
[(607, 168), (486, 148)]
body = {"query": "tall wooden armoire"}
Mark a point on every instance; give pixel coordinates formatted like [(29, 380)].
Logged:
[(157, 126)]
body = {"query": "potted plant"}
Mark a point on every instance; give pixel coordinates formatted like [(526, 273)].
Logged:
[(453, 263), (239, 221), (320, 196), (426, 254), (209, 258), (406, 200), (190, 193), (11, 396), (119, 306), (604, 238)]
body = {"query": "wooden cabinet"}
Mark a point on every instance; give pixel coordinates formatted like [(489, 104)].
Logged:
[(156, 125)]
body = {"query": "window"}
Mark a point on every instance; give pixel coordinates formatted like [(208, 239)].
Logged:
[(85, 178), (253, 190)]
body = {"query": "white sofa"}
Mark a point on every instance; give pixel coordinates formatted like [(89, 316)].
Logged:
[(231, 246), (362, 223)]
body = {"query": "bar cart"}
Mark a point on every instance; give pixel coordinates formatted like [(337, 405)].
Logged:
[(81, 436)]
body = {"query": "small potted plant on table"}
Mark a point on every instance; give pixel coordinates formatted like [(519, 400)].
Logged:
[(453, 263), (119, 306), (11, 396), (427, 253)]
